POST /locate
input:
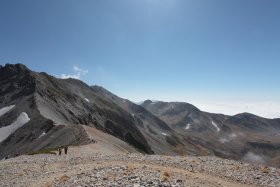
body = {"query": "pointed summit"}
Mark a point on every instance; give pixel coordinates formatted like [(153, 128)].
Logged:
[(146, 103), (10, 70)]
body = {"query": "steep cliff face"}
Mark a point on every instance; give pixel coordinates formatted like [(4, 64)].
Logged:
[(55, 110), (25, 127), (160, 137), (71, 101)]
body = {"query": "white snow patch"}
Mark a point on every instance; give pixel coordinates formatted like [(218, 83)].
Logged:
[(8, 130), (6, 109), (139, 103), (171, 106), (124, 101), (188, 126), (164, 134), (87, 100), (216, 126), (43, 134), (229, 138)]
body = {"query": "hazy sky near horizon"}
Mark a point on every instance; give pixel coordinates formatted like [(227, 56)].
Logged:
[(222, 56)]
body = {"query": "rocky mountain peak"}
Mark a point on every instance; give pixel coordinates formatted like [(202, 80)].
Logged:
[(62, 110), (146, 103), (10, 70)]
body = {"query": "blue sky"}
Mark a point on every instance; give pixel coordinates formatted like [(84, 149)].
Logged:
[(223, 56)]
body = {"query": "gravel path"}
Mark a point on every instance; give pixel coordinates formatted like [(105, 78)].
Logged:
[(84, 166)]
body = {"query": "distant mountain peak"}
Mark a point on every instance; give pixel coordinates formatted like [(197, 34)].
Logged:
[(19, 67), (146, 103), (63, 109), (246, 115), (12, 69)]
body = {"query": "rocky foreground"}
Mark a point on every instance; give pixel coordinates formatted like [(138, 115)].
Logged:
[(89, 166)]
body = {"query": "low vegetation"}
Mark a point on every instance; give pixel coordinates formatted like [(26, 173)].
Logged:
[(45, 151)]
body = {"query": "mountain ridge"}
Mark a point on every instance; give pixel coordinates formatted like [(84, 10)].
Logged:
[(52, 101), (63, 111), (183, 102)]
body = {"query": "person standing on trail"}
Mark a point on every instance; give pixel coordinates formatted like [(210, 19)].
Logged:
[(65, 150), (59, 151)]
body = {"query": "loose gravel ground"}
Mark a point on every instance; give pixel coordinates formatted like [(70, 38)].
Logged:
[(84, 166)]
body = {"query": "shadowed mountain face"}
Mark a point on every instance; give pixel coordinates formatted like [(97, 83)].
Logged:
[(243, 136), (56, 110), (160, 137), (40, 111)]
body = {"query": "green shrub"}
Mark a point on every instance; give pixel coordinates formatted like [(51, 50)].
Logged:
[(45, 151)]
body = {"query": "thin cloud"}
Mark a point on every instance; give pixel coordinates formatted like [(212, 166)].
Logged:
[(78, 72), (254, 158), (260, 108)]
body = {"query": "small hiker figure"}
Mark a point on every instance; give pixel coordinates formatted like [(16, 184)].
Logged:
[(65, 150), (59, 151)]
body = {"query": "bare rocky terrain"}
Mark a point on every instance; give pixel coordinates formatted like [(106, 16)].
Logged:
[(115, 142), (94, 165), (39, 111), (244, 136)]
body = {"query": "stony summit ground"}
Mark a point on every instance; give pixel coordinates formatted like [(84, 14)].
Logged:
[(89, 166)]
